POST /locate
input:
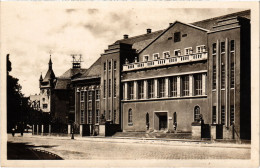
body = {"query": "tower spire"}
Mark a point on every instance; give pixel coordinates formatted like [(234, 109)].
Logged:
[(50, 63), (41, 77)]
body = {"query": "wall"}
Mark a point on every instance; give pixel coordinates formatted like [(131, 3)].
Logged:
[(183, 107)]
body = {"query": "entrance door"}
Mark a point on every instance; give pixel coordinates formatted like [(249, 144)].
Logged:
[(162, 122)]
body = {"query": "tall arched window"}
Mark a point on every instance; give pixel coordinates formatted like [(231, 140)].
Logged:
[(196, 113), (174, 117), (130, 115)]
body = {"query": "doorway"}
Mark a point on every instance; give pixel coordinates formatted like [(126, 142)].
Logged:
[(161, 121)]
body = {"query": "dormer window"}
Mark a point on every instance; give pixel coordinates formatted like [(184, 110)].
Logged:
[(177, 52), (200, 49), (166, 54), (187, 50), (145, 58), (156, 56)]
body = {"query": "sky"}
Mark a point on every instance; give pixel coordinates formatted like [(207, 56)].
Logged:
[(30, 31)]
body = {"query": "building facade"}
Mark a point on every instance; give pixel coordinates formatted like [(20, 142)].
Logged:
[(168, 81)]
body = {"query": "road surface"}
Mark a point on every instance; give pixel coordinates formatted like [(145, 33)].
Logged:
[(111, 148)]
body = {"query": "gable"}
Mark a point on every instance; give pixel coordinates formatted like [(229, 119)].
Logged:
[(167, 40)]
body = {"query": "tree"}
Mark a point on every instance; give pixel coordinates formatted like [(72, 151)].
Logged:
[(14, 98)]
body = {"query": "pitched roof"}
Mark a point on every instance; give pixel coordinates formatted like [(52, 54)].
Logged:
[(94, 71), (209, 23), (190, 25), (140, 41), (62, 83), (49, 75), (72, 72)]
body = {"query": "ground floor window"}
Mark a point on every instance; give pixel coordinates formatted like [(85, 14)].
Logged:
[(222, 114), (82, 116), (214, 116), (97, 116), (232, 114), (197, 113), (114, 116), (90, 116), (130, 115)]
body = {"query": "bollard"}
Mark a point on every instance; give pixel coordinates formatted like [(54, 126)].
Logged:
[(42, 130), (49, 129), (37, 129)]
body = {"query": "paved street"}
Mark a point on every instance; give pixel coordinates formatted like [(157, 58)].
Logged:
[(116, 148)]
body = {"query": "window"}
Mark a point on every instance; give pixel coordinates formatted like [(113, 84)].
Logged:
[(232, 75), (166, 54), (174, 118), (232, 66), (214, 115), (109, 88), (150, 88), (97, 94), (109, 65), (187, 51), (173, 86), (105, 66), (214, 48), (146, 58), (232, 45), (115, 87), (43, 99), (222, 47), (177, 52), (200, 49), (197, 113), (185, 85), (232, 116), (222, 114), (110, 115), (44, 106), (140, 89), (97, 105), (114, 65), (104, 90), (214, 81), (97, 116), (82, 116), (156, 56), (222, 76), (177, 37), (82, 96), (130, 116), (90, 116), (161, 87), (131, 90), (90, 96), (198, 84), (114, 116)]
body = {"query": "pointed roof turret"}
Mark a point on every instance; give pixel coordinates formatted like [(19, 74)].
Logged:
[(41, 77), (50, 63), (50, 74)]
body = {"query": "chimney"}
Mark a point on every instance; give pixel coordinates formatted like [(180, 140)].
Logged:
[(149, 31), (125, 36), (170, 24)]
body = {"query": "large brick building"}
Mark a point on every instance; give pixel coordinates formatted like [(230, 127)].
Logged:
[(170, 80)]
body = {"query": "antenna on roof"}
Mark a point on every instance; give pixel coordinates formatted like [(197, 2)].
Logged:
[(76, 60)]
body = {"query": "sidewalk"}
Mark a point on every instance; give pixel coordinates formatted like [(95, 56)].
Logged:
[(161, 141)]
